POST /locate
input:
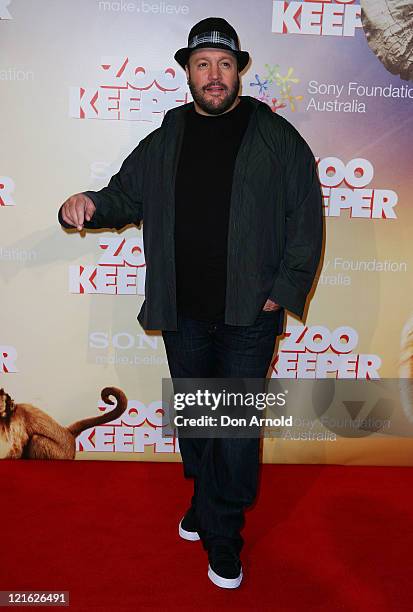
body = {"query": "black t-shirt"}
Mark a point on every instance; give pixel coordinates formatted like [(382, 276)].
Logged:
[(202, 195)]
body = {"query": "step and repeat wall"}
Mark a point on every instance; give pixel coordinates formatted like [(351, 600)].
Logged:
[(82, 82)]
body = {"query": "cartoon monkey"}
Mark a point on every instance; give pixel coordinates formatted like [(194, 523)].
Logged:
[(26, 432)]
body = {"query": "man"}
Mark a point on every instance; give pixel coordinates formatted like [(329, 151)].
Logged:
[(232, 226)]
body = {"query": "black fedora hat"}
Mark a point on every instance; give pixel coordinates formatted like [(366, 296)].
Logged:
[(213, 33)]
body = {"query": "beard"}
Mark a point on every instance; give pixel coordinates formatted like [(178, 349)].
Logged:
[(215, 106)]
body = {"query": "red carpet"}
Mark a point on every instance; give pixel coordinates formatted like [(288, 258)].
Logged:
[(319, 537)]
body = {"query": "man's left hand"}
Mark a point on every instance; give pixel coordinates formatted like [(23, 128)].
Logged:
[(270, 305)]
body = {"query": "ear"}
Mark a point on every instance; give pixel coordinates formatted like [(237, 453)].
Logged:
[(10, 405), (187, 72)]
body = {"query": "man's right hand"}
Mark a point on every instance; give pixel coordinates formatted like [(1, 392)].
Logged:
[(77, 209)]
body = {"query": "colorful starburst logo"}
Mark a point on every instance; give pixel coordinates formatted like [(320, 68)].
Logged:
[(275, 89)]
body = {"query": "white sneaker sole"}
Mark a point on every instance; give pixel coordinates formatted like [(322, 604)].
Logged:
[(225, 583), (192, 536)]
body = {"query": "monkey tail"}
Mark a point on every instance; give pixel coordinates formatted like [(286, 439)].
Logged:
[(121, 405)]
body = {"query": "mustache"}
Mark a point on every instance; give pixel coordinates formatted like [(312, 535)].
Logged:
[(214, 84)]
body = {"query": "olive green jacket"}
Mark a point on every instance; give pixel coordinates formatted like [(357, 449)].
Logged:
[(275, 224)]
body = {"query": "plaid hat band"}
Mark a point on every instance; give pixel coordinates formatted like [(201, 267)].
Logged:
[(213, 37)]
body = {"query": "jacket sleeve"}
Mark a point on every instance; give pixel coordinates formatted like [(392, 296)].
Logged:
[(120, 203), (303, 226)]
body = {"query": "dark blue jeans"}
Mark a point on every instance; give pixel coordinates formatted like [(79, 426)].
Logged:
[(225, 471)]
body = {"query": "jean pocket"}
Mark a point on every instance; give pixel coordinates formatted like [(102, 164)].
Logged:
[(266, 312), (273, 317)]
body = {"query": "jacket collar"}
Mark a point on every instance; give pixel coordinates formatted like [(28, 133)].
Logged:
[(173, 126), (178, 113)]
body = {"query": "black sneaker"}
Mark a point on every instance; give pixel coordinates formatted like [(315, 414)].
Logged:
[(225, 569), (188, 526)]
